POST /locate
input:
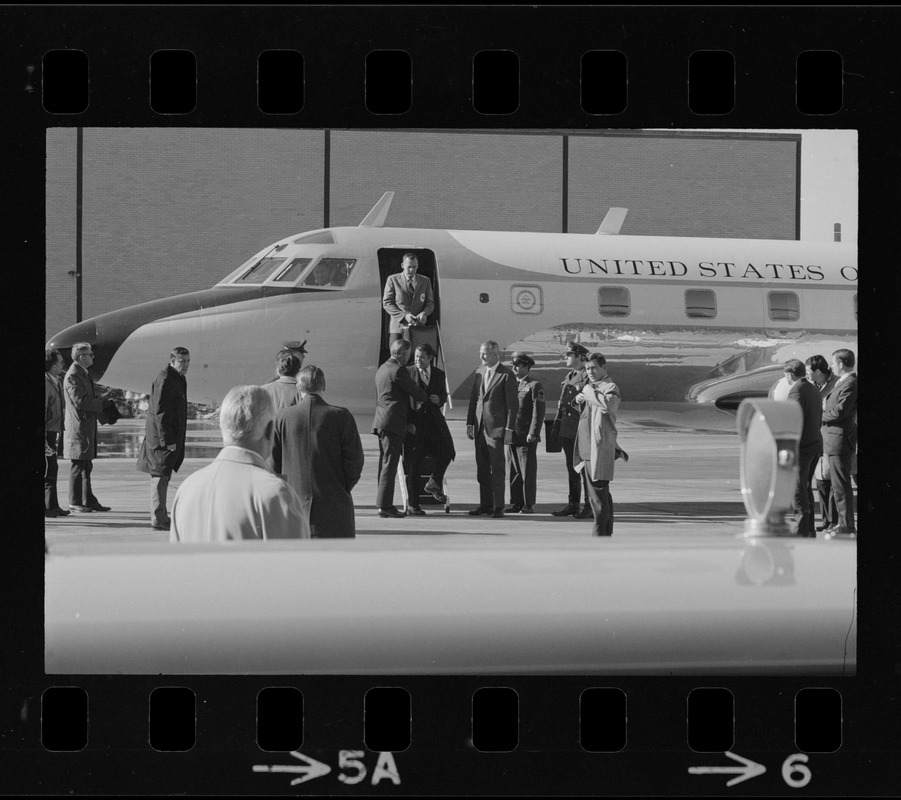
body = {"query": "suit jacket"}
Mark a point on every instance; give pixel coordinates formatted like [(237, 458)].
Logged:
[(395, 387), (236, 497), (808, 397), (167, 423), (496, 406), (567, 410), (428, 420), (840, 418), (284, 391), (317, 448), (530, 416), (83, 409), (398, 301)]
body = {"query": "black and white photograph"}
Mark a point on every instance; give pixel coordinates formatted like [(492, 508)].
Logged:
[(450, 400), (464, 345)]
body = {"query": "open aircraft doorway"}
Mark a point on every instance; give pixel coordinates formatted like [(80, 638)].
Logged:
[(390, 259)]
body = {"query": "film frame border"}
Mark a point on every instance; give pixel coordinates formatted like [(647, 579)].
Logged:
[(431, 34)]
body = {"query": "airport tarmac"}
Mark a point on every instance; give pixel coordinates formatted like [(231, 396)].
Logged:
[(677, 481)]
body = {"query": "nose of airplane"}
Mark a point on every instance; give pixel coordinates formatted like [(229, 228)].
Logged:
[(85, 332)]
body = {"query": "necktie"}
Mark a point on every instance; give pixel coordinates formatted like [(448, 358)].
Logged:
[(410, 287)]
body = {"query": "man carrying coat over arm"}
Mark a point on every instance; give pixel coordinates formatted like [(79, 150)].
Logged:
[(596, 448), (163, 448)]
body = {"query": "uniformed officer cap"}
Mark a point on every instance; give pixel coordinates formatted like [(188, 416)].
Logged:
[(297, 347), (523, 358), (578, 350)]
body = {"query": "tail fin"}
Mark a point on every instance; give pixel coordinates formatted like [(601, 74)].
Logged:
[(612, 222), (376, 217)]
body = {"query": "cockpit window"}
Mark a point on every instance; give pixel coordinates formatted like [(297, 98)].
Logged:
[(330, 272), (261, 270), (319, 237), (294, 269)]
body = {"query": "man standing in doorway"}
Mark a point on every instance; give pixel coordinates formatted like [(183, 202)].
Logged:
[(163, 448), (408, 298), (493, 403)]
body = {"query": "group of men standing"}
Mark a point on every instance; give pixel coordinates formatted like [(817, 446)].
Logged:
[(72, 410), (827, 448)]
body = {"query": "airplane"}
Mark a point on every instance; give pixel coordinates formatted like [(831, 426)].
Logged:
[(686, 323)]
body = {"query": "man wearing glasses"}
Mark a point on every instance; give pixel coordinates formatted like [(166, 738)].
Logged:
[(83, 408)]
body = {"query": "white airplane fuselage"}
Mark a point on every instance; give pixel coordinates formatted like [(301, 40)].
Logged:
[(679, 319)]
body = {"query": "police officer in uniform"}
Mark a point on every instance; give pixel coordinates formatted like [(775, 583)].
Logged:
[(566, 426), (522, 454)]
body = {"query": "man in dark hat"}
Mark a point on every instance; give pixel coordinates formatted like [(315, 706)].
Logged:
[(522, 454), (163, 448), (566, 427)]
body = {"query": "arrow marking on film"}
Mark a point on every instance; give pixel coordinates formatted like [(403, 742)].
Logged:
[(748, 769), (311, 768)]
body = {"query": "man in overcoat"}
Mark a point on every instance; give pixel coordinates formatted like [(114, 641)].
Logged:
[(566, 427), (430, 435), (493, 403), (84, 408), (596, 448), (53, 430), (395, 388), (810, 446), (840, 439), (407, 298), (522, 455), (163, 449), (317, 448)]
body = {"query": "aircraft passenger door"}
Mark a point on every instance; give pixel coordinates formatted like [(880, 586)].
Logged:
[(390, 259)]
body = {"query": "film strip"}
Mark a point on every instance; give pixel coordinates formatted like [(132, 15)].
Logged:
[(475, 69)]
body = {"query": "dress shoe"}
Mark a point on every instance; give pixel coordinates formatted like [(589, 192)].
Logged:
[(81, 509), (527, 510), (567, 511), (434, 489), (60, 512), (415, 511), (160, 527), (391, 512), (824, 527), (585, 513), (50, 513), (515, 509), (98, 507), (480, 511), (498, 513), (840, 530)]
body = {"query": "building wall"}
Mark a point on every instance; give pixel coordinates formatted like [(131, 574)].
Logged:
[(172, 210)]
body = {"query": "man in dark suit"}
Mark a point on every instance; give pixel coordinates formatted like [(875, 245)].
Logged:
[(430, 435), (407, 298), (840, 439), (522, 455), (317, 448), (395, 388), (810, 447), (493, 403), (165, 430)]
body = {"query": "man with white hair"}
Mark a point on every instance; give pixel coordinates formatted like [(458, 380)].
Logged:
[(238, 496)]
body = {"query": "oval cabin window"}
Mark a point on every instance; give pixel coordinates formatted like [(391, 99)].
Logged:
[(700, 303), (783, 306)]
